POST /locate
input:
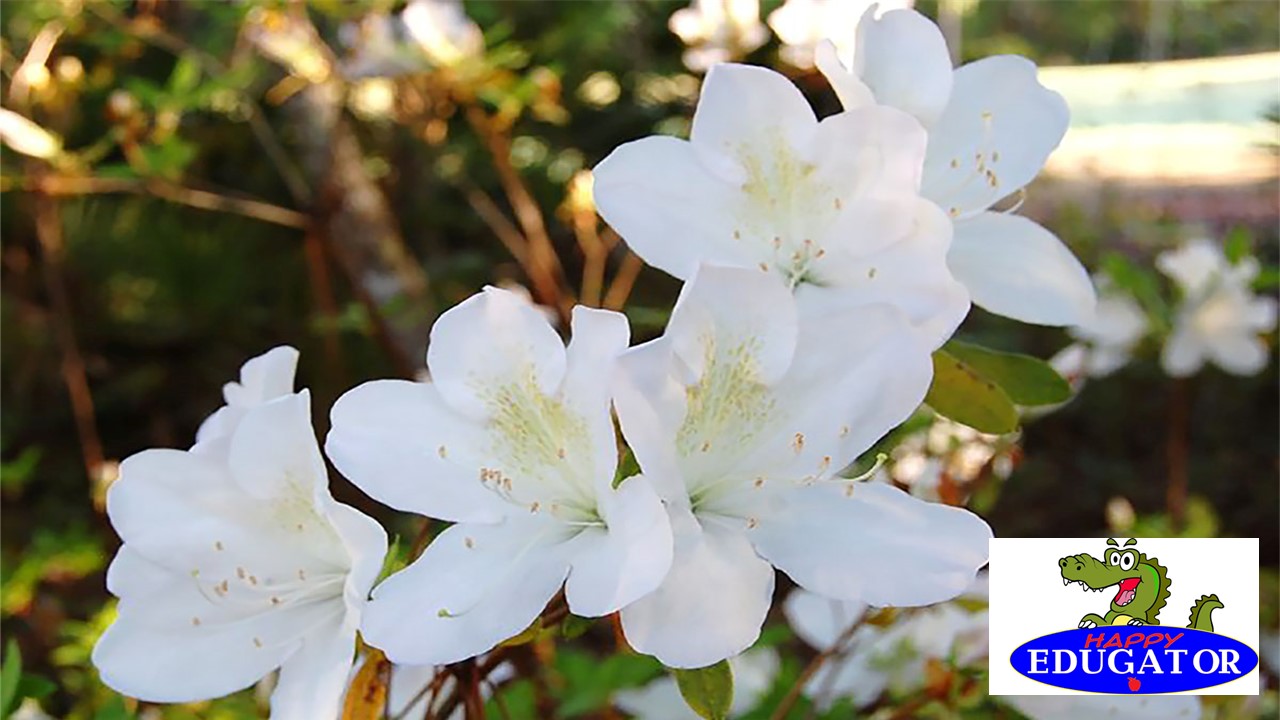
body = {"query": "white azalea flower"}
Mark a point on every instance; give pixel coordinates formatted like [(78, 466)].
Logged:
[(742, 418), (443, 31), (512, 440), (262, 379), (1220, 318), (832, 207), (236, 564), (1135, 707), (1105, 342), (753, 675), (878, 658), (718, 31), (991, 127), (802, 24)]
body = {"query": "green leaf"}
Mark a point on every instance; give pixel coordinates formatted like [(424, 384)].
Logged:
[(35, 687), (1025, 379), (573, 626), (966, 396), (708, 690), (10, 675), (1238, 244), (628, 466), (185, 76)]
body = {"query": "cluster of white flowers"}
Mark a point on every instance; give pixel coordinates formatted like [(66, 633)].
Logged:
[(895, 658), (823, 262), (1217, 319)]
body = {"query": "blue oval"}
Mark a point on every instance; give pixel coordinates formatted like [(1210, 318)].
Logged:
[(1194, 659)]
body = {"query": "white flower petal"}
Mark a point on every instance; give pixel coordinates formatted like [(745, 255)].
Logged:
[(655, 190), (818, 620), (313, 680), (1183, 354), (599, 337), (155, 651), (723, 309), (993, 138), (913, 274), (902, 57), (387, 438), (1016, 268), (1239, 353), (711, 605), (1105, 360), (262, 378), (877, 544), (167, 499), (366, 543), (1194, 265), (131, 574), (627, 559), (491, 339), (274, 452), (1260, 314), (474, 586), (851, 91), (749, 106), (873, 150), (841, 398), (651, 405), (1165, 707)]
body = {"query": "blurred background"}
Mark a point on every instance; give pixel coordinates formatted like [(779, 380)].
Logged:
[(187, 184)]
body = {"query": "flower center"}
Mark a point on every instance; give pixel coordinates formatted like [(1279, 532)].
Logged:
[(545, 459)]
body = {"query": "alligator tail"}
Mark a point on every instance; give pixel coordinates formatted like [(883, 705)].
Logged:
[(1202, 612)]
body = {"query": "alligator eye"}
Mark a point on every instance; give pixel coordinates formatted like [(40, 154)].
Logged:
[(1127, 560), (1114, 559)]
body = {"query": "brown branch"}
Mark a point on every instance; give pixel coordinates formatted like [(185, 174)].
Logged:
[(326, 302), (594, 253), (547, 274), (1176, 453), (623, 281), (506, 232), (56, 186), (49, 235)]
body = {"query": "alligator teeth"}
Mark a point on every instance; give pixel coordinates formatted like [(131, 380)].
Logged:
[(1065, 582)]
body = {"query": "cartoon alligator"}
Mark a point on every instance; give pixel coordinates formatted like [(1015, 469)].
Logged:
[(1142, 587)]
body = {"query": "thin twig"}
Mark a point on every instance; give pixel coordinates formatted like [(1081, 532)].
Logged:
[(323, 296), (623, 281), (793, 695), (594, 253), (430, 689), (1176, 453), (547, 276), (49, 235), (506, 232), (165, 190)]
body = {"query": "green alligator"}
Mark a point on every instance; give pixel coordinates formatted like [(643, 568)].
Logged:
[(1142, 587)]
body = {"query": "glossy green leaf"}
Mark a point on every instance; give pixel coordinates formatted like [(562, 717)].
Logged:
[(10, 674), (1025, 379), (708, 690), (961, 393)]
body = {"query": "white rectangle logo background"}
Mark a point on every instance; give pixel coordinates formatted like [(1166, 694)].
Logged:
[(1028, 599)]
